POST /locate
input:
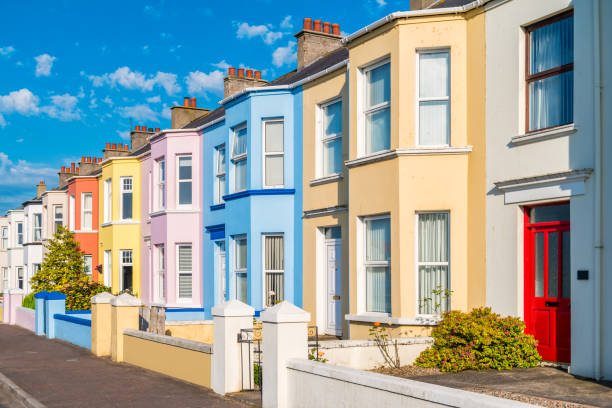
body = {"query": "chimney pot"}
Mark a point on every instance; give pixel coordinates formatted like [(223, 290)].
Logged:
[(72, 168), (126, 148), (88, 159), (241, 72), (108, 146), (336, 29), (137, 128), (186, 101), (326, 27), (231, 71), (317, 25), (257, 74), (249, 73), (308, 24), (99, 160), (193, 102), (63, 169), (157, 130), (77, 170), (82, 159), (114, 146)]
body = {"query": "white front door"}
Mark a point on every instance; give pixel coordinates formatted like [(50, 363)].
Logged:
[(334, 287)]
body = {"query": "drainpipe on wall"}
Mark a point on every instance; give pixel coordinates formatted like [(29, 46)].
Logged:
[(598, 183)]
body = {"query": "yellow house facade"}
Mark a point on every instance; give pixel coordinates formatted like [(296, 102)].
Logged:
[(416, 163), (119, 232)]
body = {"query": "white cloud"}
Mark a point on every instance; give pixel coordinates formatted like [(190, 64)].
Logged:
[(154, 99), (381, 3), (129, 79), (22, 101), (81, 93), (249, 31), (138, 112), (222, 64), (20, 140), (124, 134), (2, 121), (200, 82), (44, 63), (284, 55), (166, 113), (286, 23), (7, 51), (22, 173), (63, 107), (108, 101), (92, 103)]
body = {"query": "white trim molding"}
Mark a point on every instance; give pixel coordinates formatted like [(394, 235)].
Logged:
[(327, 179), (546, 134), (400, 321), (545, 187), (421, 151), (320, 212)]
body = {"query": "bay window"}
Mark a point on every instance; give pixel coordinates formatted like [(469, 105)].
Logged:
[(239, 158), (550, 72), (37, 231), (274, 160), (86, 211), (220, 174), (185, 271), (433, 98), (377, 107), (274, 269), (377, 264), (58, 217), (160, 190), (240, 268), (184, 180), (127, 187), (433, 262), (330, 149)]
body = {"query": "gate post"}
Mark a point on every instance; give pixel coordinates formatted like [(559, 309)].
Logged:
[(229, 318), (124, 315), (285, 336), (40, 300), (101, 324), (55, 304)]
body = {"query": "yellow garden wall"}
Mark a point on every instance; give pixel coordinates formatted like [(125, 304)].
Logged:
[(202, 332)]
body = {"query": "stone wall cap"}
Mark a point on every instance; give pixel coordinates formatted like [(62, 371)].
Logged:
[(125, 300), (41, 295), (103, 297), (233, 308), (285, 312)]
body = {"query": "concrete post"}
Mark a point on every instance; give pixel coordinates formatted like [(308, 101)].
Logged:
[(124, 315), (56, 304), (229, 318), (285, 336), (39, 313), (101, 324), (15, 298)]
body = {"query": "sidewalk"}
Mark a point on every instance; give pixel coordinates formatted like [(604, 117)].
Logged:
[(59, 374)]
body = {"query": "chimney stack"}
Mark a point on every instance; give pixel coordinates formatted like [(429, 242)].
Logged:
[(316, 40), (232, 83), (40, 189), (88, 165), (64, 174), (112, 150), (182, 115)]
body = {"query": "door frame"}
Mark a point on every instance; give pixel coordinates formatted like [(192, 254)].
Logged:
[(327, 243)]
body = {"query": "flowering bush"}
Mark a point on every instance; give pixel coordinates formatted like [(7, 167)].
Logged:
[(382, 341), (79, 293), (479, 340)]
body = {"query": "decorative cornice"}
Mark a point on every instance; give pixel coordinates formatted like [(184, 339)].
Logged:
[(217, 207), (320, 212), (326, 179), (420, 151), (546, 134), (551, 178), (268, 191)]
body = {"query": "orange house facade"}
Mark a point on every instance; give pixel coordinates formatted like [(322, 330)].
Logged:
[(83, 218)]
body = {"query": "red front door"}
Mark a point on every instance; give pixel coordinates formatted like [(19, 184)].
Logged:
[(547, 279)]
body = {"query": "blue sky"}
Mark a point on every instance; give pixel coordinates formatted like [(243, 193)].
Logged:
[(73, 73)]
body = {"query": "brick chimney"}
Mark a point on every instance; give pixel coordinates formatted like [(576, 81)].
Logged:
[(236, 82), (40, 189), (140, 137), (65, 173), (316, 40), (89, 165), (182, 115), (115, 150)]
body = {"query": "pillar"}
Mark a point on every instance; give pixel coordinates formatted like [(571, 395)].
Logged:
[(101, 324), (39, 313), (124, 315), (55, 304)]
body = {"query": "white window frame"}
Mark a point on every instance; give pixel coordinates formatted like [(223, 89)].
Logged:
[(19, 235), (180, 299), (5, 243), (55, 219), (36, 228), (362, 84), (362, 264), (322, 138), (160, 184), (417, 115), (240, 270), (85, 211), (123, 191), (271, 154), (220, 174), (85, 258), (160, 277), (417, 263), (122, 264), (108, 200), (108, 268), (72, 213), (5, 279), (263, 266), (20, 280), (222, 281), (240, 158), (179, 180)]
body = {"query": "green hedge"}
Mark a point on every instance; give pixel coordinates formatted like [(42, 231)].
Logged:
[(29, 301)]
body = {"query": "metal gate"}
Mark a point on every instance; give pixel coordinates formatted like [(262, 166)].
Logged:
[(250, 359)]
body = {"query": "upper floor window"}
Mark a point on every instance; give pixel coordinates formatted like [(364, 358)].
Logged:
[(86, 211), (550, 72), (20, 233), (220, 174), (58, 217), (160, 201), (37, 231), (239, 158), (330, 149), (108, 200), (377, 107), (4, 241), (184, 180), (185, 271), (433, 98), (274, 160), (72, 211), (126, 197)]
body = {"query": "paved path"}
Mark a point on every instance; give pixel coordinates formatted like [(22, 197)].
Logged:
[(59, 374)]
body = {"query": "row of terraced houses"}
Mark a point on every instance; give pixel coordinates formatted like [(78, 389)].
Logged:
[(447, 157)]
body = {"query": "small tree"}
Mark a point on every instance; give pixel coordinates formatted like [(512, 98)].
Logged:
[(63, 263)]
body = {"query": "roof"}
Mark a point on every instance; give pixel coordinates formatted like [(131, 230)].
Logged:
[(142, 150), (35, 200), (321, 64), (201, 121), (450, 3)]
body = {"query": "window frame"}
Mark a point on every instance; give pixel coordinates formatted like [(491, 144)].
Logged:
[(179, 180), (418, 98), (36, 228), (4, 238), (85, 257), (266, 154), (417, 263), (529, 78), (160, 184), (266, 271), (20, 280), (244, 270), (55, 219), (180, 299), (365, 263), (323, 138), (72, 212), (108, 200), (362, 100), (218, 197), (108, 267), (242, 157), (85, 211), (19, 235), (122, 264), (160, 269), (123, 191)]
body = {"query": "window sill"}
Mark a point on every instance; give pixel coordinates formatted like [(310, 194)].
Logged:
[(540, 135), (327, 179), (122, 222), (400, 321), (85, 231), (419, 151), (216, 207)]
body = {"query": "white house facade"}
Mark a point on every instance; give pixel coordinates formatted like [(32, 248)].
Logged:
[(32, 252)]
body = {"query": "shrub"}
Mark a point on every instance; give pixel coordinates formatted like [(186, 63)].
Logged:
[(479, 340), (79, 292), (29, 301)]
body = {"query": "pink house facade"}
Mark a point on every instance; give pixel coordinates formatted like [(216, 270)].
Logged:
[(173, 204)]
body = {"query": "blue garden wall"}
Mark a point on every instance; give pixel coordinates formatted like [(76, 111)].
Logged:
[(72, 329), (53, 321)]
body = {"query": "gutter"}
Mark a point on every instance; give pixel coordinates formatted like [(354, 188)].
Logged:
[(187, 130), (415, 13)]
